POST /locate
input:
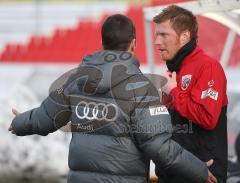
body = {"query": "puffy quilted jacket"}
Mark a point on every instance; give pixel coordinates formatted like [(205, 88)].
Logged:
[(117, 122)]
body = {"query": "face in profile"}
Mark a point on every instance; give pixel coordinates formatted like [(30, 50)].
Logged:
[(167, 40)]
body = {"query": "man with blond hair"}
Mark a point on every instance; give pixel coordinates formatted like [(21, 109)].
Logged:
[(197, 84)]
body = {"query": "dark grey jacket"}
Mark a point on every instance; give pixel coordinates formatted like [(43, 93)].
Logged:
[(117, 120)]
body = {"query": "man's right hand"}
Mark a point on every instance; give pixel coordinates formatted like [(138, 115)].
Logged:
[(211, 178), (16, 113)]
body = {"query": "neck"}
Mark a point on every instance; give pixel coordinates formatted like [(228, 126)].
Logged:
[(131, 51), (174, 64)]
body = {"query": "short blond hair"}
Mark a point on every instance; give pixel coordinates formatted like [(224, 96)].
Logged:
[(180, 18)]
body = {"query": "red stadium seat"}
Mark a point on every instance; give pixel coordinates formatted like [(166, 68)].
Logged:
[(70, 45)]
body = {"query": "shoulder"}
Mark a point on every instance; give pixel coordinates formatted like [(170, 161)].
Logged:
[(141, 85), (207, 62)]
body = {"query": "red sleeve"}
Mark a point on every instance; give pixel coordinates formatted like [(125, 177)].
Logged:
[(203, 104)]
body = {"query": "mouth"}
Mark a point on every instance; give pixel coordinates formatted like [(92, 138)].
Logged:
[(162, 50)]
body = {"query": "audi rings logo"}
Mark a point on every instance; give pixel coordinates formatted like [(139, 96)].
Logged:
[(96, 111)]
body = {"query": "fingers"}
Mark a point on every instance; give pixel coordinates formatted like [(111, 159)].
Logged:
[(169, 74), (15, 112), (211, 178), (10, 128), (174, 75), (209, 163)]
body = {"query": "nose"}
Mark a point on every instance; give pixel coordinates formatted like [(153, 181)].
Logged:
[(158, 40)]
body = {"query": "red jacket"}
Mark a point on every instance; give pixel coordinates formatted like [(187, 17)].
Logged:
[(201, 90)]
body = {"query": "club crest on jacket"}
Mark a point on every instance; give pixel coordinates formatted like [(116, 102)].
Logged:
[(186, 81)]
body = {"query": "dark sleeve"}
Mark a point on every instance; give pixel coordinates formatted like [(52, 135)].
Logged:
[(43, 120), (151, 126), (52, 114)]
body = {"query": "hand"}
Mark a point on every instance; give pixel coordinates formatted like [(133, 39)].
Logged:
[(211, 178), (171, 82), (16, 113)]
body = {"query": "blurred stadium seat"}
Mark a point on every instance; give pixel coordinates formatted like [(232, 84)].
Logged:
[(71, 44)]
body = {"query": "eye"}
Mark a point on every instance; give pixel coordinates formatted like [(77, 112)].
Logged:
[(162, 34)]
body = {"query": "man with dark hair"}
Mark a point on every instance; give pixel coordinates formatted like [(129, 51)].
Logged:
[(117, 120), (120, 35), (197, 84)]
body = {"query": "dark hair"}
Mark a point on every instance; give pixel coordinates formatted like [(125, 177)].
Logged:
[(117, 33), (180, 18)]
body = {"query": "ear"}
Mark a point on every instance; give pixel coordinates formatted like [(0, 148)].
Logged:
[(185, 37), (133, 46)]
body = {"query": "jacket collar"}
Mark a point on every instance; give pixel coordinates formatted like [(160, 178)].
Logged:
[(190, 58), (175, 63)]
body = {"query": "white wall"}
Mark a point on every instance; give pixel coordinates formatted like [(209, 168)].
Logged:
[(20, 20)]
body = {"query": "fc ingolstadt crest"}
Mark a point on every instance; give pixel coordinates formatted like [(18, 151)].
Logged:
[(186, 81)]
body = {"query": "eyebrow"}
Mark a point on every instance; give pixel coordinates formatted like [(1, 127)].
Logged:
[(161, 33)]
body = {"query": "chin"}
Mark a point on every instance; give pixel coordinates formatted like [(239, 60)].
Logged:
[(168, 58), (164, 59)]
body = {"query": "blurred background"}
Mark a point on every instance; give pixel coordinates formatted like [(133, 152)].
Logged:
[(42, 39)]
